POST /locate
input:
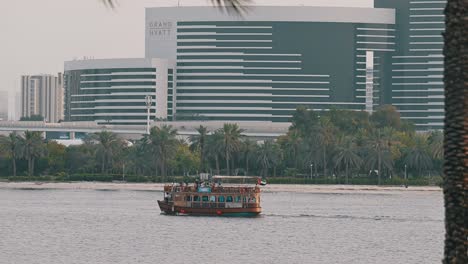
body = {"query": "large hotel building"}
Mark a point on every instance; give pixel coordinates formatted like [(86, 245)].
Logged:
[(202, 64)]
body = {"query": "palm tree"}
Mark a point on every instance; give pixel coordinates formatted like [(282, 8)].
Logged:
[(455, 130), (11, 145), (346, 155), (379, 151), (231, 141), (417, 156), (107, 145), (268, 156), (32, 147), (326, 138), (199, 142), (436, 144), (292, 144), (248, 150), (214, 147), (162, 143)]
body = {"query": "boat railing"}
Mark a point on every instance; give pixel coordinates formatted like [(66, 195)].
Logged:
[(221, 205), (214, 189)]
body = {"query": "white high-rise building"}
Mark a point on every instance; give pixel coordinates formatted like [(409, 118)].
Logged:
[(42, 95)]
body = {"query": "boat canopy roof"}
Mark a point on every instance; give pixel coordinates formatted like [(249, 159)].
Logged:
[(235, 177)]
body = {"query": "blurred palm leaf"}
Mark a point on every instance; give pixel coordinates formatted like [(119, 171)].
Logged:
[(237, 6), (109, 3)]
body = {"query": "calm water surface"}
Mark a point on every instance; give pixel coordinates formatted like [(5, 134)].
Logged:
[(88, 226)]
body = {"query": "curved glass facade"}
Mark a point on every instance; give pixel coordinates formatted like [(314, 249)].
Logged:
[(250, 70), (110, 92)]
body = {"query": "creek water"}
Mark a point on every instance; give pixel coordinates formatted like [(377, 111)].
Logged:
[(124, 226)]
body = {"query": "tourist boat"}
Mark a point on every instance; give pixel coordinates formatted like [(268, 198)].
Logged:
[(210, 198)]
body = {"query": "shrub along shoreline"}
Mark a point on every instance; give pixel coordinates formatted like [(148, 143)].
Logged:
[(425, 181)]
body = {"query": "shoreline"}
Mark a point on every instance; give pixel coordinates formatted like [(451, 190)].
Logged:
[(271, 188)]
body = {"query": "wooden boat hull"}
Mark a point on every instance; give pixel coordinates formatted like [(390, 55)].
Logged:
[(169, 209)]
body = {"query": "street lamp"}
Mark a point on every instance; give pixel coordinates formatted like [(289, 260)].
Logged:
[(406, 176), (311, 170), (149, 101)]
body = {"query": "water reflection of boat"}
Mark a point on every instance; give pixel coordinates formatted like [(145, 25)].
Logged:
[(212, 199)]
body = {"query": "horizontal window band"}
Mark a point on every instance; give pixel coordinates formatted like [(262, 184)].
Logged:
[(374, 49), (116, 114), (114, 70), (244, 75), (238, 81), (196, 96), (376, 29), (115, 77), (197, 41), (231, 61), (216, 37), (114, 74), (119, 95), (374, 36), (233, 54), (274, 91), (254, 102), (207, 33), (211, 48), (219, 44), (224, 68), (240, 88), (110, 84), (247, 85)]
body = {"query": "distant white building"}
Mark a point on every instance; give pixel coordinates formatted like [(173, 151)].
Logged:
[(4, 105), (42, 95)]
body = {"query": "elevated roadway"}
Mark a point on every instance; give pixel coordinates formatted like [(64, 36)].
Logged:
[(184, 128)]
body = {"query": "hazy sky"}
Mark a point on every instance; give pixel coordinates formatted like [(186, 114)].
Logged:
[(37, 36)]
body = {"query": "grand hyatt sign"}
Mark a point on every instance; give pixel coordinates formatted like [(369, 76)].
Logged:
[(160, 28)]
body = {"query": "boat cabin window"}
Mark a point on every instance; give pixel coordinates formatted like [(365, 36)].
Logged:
[(238, 199), (205, 198), (252, 200), (213, 199), (221, 199), (188, 198), (196, 198), (229, 199)]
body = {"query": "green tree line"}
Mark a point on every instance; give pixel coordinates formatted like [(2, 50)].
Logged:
[(337, 146)]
